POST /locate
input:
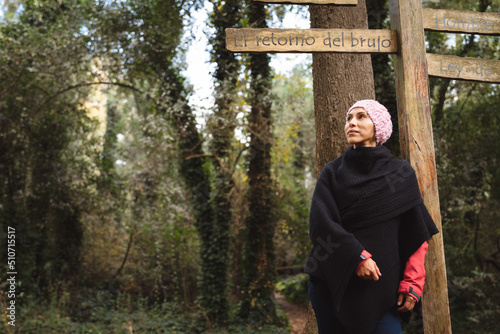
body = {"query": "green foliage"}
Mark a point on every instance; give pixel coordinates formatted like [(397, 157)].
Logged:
[(100, 311), (105, 313), (474, 303), (133, 35), (295, 289), (467, 171), (43, 123), (90, 168), (293, 163), (153, 210)]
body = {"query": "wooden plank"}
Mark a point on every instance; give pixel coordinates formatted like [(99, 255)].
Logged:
[(461, 21), (313, 2), (461, 68), (311, 40), (417, 146)]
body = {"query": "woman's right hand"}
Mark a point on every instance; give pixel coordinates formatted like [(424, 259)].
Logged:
[(369, 270)]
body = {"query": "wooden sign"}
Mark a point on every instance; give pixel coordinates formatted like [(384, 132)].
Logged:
[(314, 2), (461, 22), (311, 40), (461, 68)]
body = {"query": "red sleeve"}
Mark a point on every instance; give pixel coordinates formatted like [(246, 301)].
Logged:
[(366, 255), (414, 274)]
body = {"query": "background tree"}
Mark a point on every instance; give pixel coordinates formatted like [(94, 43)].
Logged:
[(155, 64), (293, 163), (222, 124), (42, 115), (259, 258)]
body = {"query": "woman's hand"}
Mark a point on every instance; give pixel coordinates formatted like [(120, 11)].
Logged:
[(369, 270), (406, 302)]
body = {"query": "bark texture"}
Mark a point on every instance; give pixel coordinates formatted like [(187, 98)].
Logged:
[(339, 80), (417, 146)]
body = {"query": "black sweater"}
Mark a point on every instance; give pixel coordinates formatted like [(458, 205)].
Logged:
[(365, 199)]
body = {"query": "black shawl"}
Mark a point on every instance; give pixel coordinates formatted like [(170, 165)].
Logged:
[(364, 199)]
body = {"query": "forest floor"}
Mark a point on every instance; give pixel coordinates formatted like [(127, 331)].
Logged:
[(297, 314)]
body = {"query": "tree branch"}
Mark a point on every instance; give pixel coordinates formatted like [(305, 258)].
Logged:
[(118, 272), (86, 84), (194, 156)]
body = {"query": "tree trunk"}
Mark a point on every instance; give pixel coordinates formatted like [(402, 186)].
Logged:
[(226, 15), (197, 179), (259, 262), (339, 80)]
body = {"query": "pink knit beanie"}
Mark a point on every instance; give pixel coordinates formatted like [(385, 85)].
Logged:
[(380, 117)]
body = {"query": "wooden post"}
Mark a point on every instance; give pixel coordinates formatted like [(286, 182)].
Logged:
[(417, 146)]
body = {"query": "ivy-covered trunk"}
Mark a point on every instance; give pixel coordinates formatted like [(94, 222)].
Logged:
[(259, 262), (196, 175), (222, 124)]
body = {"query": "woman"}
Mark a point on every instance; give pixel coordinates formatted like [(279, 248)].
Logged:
[(369, 229)]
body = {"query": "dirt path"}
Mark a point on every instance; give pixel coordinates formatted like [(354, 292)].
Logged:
[(296, 314)]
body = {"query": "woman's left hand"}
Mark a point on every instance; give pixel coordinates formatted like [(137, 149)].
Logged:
[(406, 302)]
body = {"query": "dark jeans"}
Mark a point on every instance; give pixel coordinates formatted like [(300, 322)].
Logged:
[(328, 323)]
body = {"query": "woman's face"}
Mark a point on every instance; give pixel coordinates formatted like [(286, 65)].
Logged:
[(359, 128)]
